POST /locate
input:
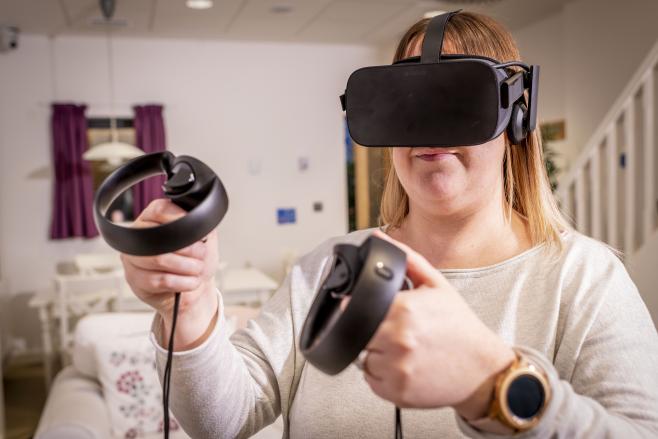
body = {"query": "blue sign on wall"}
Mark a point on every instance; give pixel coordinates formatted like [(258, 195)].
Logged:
[(286, 216)]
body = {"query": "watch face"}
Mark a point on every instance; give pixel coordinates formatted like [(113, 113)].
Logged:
[(525, 396)]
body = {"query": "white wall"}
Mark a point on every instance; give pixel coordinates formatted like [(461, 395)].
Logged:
[(588, 53), (543, 43), (607, 42), (536, 48), (226, 103)]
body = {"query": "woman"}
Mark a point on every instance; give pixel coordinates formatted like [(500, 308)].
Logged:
[(500, 278)]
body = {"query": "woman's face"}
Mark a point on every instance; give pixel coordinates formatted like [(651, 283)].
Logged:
[(448, 181)]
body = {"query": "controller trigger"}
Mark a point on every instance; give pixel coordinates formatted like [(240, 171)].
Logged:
[(338, 279)]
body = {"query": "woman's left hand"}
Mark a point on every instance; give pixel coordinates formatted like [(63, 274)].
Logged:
[(432, 350)]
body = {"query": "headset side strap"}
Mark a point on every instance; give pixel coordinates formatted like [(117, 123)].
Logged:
[(532, 98)]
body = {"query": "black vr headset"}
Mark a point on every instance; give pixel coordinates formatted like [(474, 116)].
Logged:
[(440, 100)]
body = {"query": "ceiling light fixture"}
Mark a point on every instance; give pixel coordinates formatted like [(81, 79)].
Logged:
[(199, 4), (432, 14), (113, 152)]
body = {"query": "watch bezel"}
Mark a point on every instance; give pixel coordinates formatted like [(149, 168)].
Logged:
[(510, 418)]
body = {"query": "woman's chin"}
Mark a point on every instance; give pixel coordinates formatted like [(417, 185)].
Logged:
[(440, 200), (441, 186)]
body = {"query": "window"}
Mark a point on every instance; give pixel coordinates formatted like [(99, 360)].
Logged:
[(98, 131)]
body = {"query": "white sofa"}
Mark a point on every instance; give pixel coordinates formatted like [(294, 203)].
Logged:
[(76, 407)]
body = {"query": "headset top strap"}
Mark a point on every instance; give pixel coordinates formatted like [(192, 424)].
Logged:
[(431, 50)]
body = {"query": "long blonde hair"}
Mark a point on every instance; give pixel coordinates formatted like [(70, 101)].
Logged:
[(526, 185)]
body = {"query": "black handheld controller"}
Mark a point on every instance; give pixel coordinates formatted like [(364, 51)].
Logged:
[(371, 274)]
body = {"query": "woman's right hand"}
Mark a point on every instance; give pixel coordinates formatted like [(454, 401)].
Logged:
[(190, 271)]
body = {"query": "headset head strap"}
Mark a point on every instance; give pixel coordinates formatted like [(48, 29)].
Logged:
[(433, 41)]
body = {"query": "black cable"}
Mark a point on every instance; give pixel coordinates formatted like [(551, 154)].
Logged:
[(166, 380), (398, 423)]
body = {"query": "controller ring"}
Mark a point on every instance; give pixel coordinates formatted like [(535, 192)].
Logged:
[(205, 200)]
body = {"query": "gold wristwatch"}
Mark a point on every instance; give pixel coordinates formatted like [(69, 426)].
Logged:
[(521, 395)]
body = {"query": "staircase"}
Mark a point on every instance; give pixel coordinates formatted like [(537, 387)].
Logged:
[(611, 191)]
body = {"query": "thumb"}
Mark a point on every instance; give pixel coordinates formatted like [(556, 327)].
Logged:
[(419, 270), (159, 211)]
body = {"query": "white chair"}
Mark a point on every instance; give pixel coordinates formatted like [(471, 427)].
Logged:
[(93, 263), (75, 295), (80, 294), (97, 285)]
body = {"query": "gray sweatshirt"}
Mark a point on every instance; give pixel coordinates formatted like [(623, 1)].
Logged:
[(577, 314)]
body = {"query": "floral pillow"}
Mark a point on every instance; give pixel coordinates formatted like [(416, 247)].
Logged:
[(131, 386)]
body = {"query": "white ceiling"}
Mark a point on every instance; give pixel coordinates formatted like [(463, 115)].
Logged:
[(328, 21)]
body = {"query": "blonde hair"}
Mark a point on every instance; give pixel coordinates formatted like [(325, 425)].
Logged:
[(526, 185)]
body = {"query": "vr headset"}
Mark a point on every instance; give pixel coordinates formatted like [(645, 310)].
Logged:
[(440, 100)]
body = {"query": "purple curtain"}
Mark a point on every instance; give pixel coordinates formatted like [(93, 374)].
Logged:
[(73, 192), (149, 136)]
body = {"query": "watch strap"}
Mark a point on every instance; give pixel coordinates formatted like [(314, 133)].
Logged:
[(492, 425), (495, 421)]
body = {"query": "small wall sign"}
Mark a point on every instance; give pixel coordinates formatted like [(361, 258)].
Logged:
[(286, 216)]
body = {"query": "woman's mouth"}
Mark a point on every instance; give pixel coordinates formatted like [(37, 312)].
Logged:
[(431, 156)]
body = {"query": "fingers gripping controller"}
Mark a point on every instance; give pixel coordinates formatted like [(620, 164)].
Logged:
[(370, 274)]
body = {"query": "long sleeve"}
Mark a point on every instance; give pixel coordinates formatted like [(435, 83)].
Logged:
[(225, 389), (604, 375), (233, 386), (578, 315)]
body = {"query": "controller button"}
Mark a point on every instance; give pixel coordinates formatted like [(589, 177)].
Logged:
[(383, 271)]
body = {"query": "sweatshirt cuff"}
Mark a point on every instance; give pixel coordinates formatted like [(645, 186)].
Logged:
[(156, 335), (550, 416)]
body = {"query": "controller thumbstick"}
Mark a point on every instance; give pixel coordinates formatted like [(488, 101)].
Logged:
[(180, 181)]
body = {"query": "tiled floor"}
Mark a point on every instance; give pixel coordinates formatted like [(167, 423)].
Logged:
[(25, 395)]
